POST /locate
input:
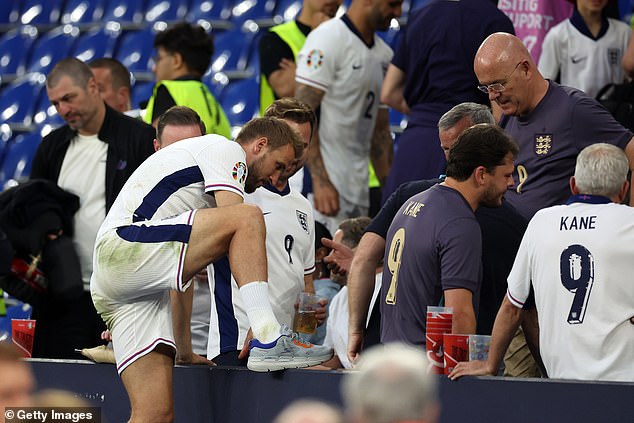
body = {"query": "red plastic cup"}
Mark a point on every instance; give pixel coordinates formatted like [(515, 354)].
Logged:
[(434, 348), (22, 333), (456, 349)]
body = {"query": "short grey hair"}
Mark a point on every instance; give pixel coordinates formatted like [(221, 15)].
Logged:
[(476, 113), (391, 384), (306, 411), (601, 169)]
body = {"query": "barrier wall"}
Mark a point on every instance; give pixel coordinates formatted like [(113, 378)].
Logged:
[(236, 395)]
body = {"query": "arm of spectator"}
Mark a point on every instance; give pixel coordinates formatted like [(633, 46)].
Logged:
[(530, 326), (506, 323), (181, 303), (309, 284), (361, 279), (393, 88), (340, 257), (381, 149), (628, 58), (325, 195), (461, 300), (283, 80)]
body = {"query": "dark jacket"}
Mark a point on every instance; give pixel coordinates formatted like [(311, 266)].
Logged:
[(129, 144)]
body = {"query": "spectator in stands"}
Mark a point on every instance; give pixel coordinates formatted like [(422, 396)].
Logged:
[(551, 123), (113, 82), (391, 385), (584, 303), (16, 382), (183, 54), (91, 156), (502, 229), (586, 50), (446, 265), (309, 411), (432, 71), (349, 234), (290, 247), (340, 70)]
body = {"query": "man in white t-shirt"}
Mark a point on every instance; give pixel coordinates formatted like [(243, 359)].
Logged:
[(91, 156), (178, 212), (340, 70), (579, 276)]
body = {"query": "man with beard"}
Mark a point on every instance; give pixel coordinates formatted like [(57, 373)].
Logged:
[(420, 271), (91, 156), (181, 210), (340, 69)]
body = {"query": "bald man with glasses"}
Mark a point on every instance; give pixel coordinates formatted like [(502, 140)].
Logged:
[(551, 123)]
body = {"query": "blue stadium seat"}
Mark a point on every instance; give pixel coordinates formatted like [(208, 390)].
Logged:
[(260, 11), (216, 82), (45, 113), (17, 103), (398, 121), (123, 11), (165, 11), (39, 12), (141, 92), (18, 160), (16, 45), (288, 10), (94, 44), (241, 101), (51, 47), (213, 11), (82, 12), (9, 13), (135, 50), (231, 50), (391, 36)]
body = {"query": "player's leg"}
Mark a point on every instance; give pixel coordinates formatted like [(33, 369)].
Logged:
[(148, 382), (239, 231)]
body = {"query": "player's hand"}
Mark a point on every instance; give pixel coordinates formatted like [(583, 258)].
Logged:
[(288, 65), (244, 352), (340, 257), (326, 198), (355, 345), (106, 336), (471, 368), (193, 358), (321, 311)]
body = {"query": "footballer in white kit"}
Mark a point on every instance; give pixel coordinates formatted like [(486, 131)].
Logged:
[(290, 251), (578, 259), (141, 245), (337, 61)]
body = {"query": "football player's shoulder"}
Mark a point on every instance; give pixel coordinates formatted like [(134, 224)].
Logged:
[(329, 31)]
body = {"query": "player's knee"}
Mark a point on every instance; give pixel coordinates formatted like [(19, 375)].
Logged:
[(251, 218), (158, 413)]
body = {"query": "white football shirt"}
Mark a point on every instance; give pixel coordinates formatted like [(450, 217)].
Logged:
[(578, 258), (174, 179), (336, 60), (584, 63)]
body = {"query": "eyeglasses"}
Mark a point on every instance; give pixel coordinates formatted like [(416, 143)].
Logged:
[(497, 87)]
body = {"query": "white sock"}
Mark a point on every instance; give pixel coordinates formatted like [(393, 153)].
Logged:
[(264, 325)]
